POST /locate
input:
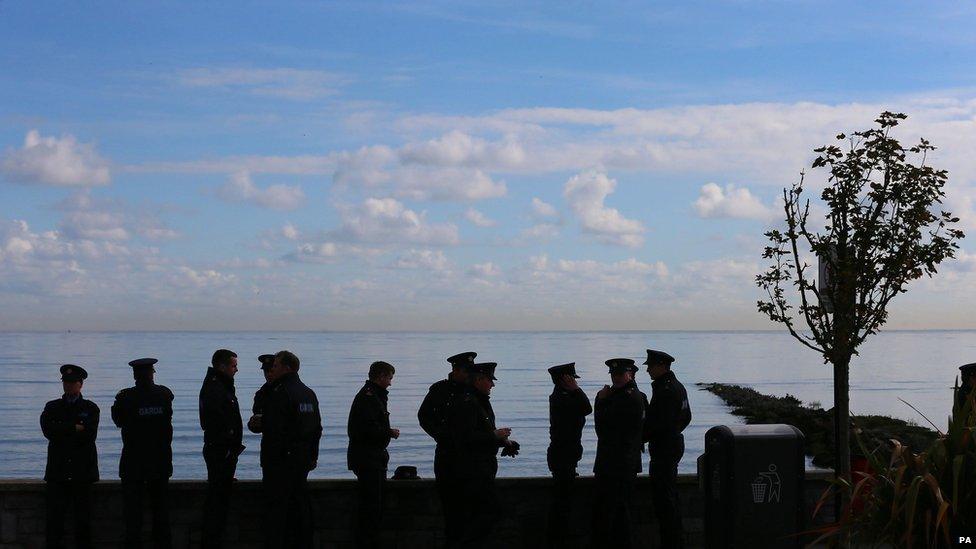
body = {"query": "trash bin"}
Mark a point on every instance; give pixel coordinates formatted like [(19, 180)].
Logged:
[(753, 477)]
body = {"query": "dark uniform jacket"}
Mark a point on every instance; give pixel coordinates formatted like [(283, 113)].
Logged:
[(962, 394), (369, 429), (292, 426), (260, 400), (619, 420), (145, 415), (567, 416), (220, 414), (432, 416), (71, 454), (471, 430), (668, 413)]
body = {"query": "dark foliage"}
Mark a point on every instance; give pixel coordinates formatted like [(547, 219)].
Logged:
[(883, 228), (817, 423)]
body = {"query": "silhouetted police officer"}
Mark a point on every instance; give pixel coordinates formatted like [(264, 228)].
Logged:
[(475, 442), (220, 419), (144, 413), (433, 420), (70, 424), (968, 378), (668, 413), (619, 420), (369, 435), (255, 423), (568, 408), (292, 428)]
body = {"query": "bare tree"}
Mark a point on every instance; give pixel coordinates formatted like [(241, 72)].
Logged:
[(883, 229)]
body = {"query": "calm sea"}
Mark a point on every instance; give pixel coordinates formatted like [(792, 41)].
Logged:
[(916, 366)]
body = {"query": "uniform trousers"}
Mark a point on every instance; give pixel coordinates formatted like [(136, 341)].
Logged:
[(611, 512), (449, 492), (664, 495), (370, 484), (560, 531), (288, 516), (61, 495), (479, 511), (132, 496), (221, 466)]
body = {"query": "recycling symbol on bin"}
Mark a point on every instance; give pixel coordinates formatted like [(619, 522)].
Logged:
[(766, 486)]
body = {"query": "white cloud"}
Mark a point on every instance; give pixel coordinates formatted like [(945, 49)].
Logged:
[(430, 260), (48, 263), (732, 202), (366, 166), (287, 165), (93, 225), (290, 232), (585, 193), (728, 272), (209, 278), (961, 201), (388, 221), (425, 123), (548, 222), (762, 140), (453, 184), (765, 143), (460, 149), (355, 286), (592, 268), (55, 161), (768, 143), (541, 209), (286, 83), (541, 231), (323, 252), (478, 218), (250, 263), (155, 232), (329, 251), (20, 244), (90, 218), (471, 159), (721, 283), (588, 279), (378, 168), (240, 188), (484, 270), (964, 263)]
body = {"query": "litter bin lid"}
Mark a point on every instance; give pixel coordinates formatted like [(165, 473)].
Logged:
[(751, 431)]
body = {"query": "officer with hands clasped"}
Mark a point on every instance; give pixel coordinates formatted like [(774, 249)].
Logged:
[(144, 413), (70, 424), (568, 408), (668, 413), (619, 420), (432, 416)]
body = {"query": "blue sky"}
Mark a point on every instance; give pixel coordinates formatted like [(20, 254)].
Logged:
[(445, 165)]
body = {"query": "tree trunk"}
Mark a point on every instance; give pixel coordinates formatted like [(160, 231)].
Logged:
[(840, 357), (842, 432)]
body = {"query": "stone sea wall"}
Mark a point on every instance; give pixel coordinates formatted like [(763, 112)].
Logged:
[(413, 514)]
